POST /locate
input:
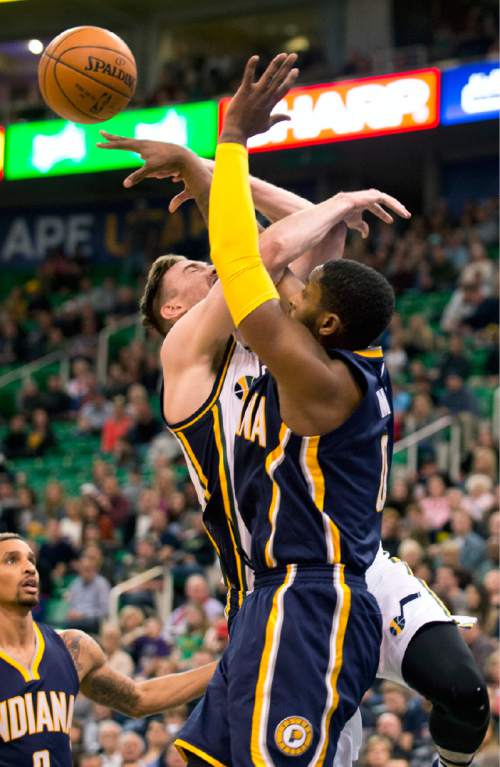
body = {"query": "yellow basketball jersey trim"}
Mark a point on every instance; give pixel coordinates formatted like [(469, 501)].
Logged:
[(39, 652), (215, 395), (435, 596), (196, 466), (273, 460), (227, 504), (266, 672), (371, 353), (31, 673), (316, 478), (333, 694), (182, 746)]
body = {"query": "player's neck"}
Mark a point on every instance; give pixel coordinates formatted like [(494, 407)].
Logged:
[(16, 627)]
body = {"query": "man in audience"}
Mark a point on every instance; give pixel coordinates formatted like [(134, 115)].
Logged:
[(88, 598)]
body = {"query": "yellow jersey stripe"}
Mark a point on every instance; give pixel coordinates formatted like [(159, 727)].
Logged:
[(340, 621), (371, 353), (273, 460), (435, 596), (318, 480), (224, 483), (31, 673), (314, 474), (258, 749), (18, 666), (182, 746), (213, 398), (195, 464), (39, 652)]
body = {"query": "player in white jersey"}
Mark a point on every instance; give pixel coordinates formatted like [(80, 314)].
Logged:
[(421, 646)]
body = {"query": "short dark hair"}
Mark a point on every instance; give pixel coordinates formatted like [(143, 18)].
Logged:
[(151, 300), (361, 297), (11, 537)]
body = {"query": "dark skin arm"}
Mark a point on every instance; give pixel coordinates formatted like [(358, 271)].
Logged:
[(317, 394), (101, 684)]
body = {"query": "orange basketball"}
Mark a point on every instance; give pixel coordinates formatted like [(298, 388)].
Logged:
[(87, 74)]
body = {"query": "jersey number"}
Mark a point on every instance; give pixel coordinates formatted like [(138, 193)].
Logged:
[(41, 759), (382, 491)]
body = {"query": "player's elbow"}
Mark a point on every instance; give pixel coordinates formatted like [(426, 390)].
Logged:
[(139, 708), (273, 251)]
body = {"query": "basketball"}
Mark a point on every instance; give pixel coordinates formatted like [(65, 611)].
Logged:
[(87, 74)]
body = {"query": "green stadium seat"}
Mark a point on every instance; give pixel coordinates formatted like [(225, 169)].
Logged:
[(485, 397)]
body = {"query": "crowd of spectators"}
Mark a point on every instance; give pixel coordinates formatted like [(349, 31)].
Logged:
[(137, 509)]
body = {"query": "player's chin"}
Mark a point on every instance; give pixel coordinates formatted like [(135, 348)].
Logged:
[(28, 600)]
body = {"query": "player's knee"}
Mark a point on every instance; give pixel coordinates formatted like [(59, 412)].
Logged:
[(467, 698)]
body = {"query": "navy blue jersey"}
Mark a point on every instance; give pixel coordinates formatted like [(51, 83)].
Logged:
[(316, 499), (36, 705), (207, 441)]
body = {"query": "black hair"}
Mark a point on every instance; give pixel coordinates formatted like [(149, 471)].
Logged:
[(361, 297), (11, 537)]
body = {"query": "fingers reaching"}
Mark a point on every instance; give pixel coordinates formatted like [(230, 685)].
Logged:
[(116, 142), (277, 118), (249, 73), (272, 69), (287, 83), (393, 204), (382, 214), (364, 229), (279, 75), (178, 200), (135, 177)]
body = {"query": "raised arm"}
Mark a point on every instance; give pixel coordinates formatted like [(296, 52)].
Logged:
[(101, 684), (309, 383)]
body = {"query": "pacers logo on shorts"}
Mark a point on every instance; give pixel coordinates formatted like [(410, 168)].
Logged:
[(293, 735)]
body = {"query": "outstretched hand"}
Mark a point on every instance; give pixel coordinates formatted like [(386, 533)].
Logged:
[(249, 111), (161, 160), (372, 200)]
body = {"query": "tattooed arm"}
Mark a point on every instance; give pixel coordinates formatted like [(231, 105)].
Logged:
[(110, 688)]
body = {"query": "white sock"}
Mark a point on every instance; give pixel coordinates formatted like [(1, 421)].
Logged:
[(453, 758)]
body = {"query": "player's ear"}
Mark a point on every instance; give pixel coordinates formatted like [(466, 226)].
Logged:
[(329, 324), (171, 311)]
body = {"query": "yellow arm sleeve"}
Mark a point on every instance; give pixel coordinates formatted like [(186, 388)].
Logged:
[(234, 238)]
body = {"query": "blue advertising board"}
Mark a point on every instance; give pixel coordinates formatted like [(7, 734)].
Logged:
[(98, 233), (470, 92)]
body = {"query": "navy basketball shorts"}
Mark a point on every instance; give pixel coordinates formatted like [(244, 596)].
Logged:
[(304, 649)]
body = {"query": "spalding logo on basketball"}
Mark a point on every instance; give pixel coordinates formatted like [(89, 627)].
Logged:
[(293, 735), (87, 74)]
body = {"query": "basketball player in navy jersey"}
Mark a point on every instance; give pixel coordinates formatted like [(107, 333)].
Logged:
[(41, 672), (167, 298), (294, 735)]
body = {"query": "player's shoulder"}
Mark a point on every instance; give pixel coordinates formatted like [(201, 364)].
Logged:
[(85, 652), (77, 637)]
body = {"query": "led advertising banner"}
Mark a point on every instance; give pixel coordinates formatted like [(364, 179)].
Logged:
[(353, 109), (100, 233), (470, 92), (58, 147), (2, 150)]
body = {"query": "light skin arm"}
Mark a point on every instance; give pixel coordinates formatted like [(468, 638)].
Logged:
[(101, 684), (318, 234), (272, 201), (163, 160)]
